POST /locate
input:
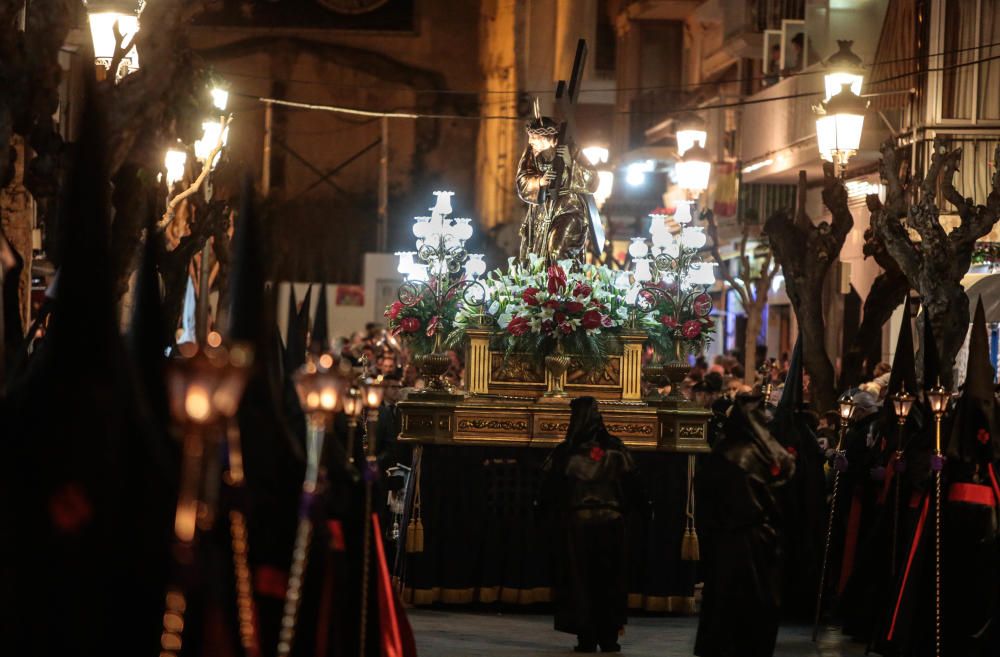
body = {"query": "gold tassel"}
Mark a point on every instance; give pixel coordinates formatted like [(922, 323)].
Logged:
[(411, 531), (418, 536), (690, 549)]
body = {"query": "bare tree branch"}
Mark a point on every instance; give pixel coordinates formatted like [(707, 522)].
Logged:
[(198, 182)]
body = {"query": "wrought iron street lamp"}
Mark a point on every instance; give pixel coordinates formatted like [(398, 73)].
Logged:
[(937, 398), (693, 170), (843, 67), (902, 404), (839, 124), (690, 131), (111, 20)]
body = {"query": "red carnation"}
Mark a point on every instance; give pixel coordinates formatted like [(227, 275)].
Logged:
[(582, 290), (392, 312), (606, 321), (566, 328), (669, 321), (551, 303), (409, 324), (518, 326), (548, 326), (591, 319), (574, 307), (691, 329), (530, 296), (557, 279), (560, 318), (432, 326), (596, 453)]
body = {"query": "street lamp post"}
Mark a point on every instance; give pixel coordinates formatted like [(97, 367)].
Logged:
[(937, 398), (839, 124), (845, 409), (843, 67), (690, 131)]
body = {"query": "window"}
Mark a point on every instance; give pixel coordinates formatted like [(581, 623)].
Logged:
[(971, 91)]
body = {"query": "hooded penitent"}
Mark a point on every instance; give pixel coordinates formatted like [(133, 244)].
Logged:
[(738, 524), (85, 500), (319, 338), (802, 500), (589, 485)]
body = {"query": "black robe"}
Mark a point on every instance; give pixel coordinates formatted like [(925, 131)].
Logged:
[(590, 483), (738, 520)]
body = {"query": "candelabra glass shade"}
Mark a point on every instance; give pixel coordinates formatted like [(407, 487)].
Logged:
[(205, 384), (319, 387), (638, 248), (693, 237), (443, 205), (174, 161), (102, 17), (405, 261), (682, 214), (421, 225), (694, 169), (937, 399), (701, 273), (633, 294), (475, 266), (418, 273), (643, 273), (462, 228), (623, 280), (220, 98), (846, 408), (902, 403)]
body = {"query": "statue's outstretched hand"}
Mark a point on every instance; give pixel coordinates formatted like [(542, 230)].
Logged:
[(563, 152)]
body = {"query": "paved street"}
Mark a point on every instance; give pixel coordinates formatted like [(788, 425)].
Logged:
[(466, 634)]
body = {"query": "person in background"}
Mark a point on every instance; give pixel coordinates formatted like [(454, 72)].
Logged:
[(589, 485), (772, 74)]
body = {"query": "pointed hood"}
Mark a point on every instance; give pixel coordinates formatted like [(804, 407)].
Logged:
[(791, 394), (904, 365), (975, 436), (147, 337), (295, 339), (319, 340), (247, 306), (931, 362)]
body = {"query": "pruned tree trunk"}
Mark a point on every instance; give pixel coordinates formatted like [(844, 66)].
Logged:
[(806, 252), (754, 321), (936, 264)]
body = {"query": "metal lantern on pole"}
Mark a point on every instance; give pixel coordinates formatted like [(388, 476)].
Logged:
[(937, 398), (843, 67), (106, 17), (839, 124), (690, 131), (902, 404)]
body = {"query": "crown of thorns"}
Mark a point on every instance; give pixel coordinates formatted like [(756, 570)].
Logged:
[(543, 127)]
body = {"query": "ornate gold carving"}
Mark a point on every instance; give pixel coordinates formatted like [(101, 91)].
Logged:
[(419, 422), (609, 375), (514, 369), (549, 427), (692, 431), (642, 429), (484, 424)]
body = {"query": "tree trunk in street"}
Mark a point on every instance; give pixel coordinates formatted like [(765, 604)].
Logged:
[(936, 264), (754, 321), (806, 252)]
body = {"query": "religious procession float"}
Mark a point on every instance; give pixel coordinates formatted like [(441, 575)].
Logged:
[(547, 327)]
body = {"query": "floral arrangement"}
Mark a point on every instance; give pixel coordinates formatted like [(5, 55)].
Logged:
[(421, 319), (672, 318), (542, 309)]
